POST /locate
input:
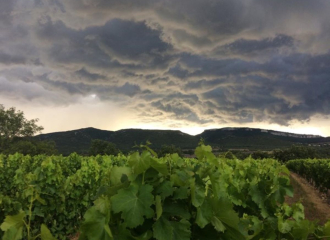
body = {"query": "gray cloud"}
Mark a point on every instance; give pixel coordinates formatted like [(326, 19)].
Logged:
[(83, 73), (5, 11), (189, 61), (11, 59), (245, 47)]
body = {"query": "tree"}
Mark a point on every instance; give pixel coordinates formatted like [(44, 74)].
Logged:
[(169, 149), (294, 152), (31, 147), (260, 155), (14, 125), (103, 148)]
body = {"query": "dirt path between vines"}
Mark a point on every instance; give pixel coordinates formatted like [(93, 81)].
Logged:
[(315, 207)]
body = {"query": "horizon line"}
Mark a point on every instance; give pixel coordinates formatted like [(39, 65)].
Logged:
[(206, 129)]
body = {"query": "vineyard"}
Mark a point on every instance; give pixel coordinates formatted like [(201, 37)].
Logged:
[(143, 197), (316, 172)]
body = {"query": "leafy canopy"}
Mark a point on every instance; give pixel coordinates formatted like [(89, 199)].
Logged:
[(13, 125), (102, 147)]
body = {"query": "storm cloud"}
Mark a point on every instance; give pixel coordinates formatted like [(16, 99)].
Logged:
[(195, 62)]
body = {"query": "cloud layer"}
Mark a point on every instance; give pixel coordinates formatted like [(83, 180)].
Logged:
[(177, 63)]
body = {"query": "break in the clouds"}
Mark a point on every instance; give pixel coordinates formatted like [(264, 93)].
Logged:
[(170, 63)]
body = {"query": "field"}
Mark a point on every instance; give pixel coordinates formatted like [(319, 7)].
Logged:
[(141, 196)]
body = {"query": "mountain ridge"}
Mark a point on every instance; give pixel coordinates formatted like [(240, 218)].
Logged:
[(275, 132), (79, 140)]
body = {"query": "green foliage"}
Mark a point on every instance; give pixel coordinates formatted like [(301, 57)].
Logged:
[(145, 197), (169, 149), (96, 224), (294, 152), (13, 125), (103, 148), (16, 133), (260, 155), (134, 203), (196, 199), (31, 147), (228, 155), (13, 226), (315, 171)]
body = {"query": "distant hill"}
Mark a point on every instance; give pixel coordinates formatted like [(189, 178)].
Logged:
[(225, 138), (253, 139), (79, 140)]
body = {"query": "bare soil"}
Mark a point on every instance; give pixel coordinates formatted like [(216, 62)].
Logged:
[(316, 207)]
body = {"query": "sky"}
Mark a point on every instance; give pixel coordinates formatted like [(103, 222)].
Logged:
[(168, 64)]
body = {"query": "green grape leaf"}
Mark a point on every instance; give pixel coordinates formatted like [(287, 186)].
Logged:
[(160, 167), (118, 172), (283, 189), (95, 225), (102, 204), (16, 221), (122, 233), (39, 199), (298, 211), (251, 226), (179, 209), (223, 210), (204, 151), (162, 229), (181, 193), (165, 189), (159, 208), (284, 226), (204, 215), (139, 164), (45, 233), (13, 233), (134, 203), (258, 197), (302, 229), (217, 224), (177, 159), (181, 177), (326, 230), (287, 210), (197, 193), (215, 211), (171, 230), (233, 233), (13, 226), (181, 230)]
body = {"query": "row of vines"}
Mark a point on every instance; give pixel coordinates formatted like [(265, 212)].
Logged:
[(141, 197), (315, 171)]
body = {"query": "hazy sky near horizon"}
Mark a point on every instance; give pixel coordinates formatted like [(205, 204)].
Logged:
[(169, 64)]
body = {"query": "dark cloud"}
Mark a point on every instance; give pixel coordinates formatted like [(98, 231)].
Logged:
[(83, 73), (119, 44), (178, 71), (201, 66), (179, 111), (254, 47), (204, 84), (11, 59), (188, 61), (128, 89), (6, 8)]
